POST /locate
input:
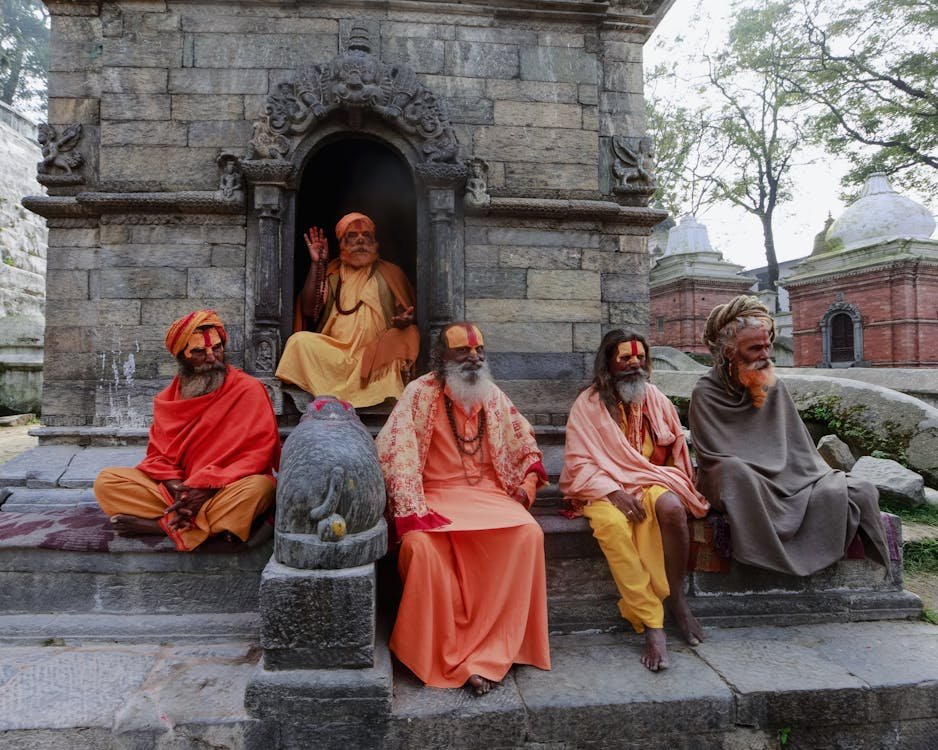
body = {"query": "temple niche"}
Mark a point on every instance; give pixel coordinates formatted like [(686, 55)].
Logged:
[(502, 152)]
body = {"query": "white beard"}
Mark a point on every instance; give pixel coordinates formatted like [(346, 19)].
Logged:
[(631, 389), (469, 384)]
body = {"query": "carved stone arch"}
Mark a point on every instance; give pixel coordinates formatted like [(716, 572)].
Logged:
[(837, 308), (354, 94)]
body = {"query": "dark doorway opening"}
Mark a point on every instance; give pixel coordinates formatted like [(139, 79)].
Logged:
[(363, 175), (841, 327)]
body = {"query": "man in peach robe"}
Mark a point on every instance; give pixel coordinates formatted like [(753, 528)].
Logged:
[(362, 309), (627, 469), (213, 448), (461, 468)]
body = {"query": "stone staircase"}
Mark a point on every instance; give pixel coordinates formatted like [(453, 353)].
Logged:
[(168, 613)]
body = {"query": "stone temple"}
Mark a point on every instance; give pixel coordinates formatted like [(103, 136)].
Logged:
[(499, 146)]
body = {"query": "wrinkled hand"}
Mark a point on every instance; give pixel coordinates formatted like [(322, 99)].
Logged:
[(187, 506), (316, 243), (630, 505), (174, 487), (403, 319)]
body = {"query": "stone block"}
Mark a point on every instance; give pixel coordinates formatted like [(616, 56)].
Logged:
[(475, 111), (481, 255), (896, 484), (627, 315), (563, 285), (39, 467), (624, 287), (528, 176), (187, 234), (476, 60), (537, 114), (560, 39), (134, 81), (206, 18), (75, 55), (218, 81), (146, 133), (85, 111), (532, 310), (144, 50), (228, 256), (220, 134), (80, 84), (73, 238), (449, 87), (586, 337), (93, 312), (624, 77), (587, 93), (622, 51), (417, 30), (539, 366), (141, 283), (422, 54), (67, 339), (175, 167), (495, 282), (528, 337), (261, 50), (313, 619), (164, 312), (206, 107), (135, 107), (535, 144), (67, 284), (495, 35), (836, 452), (531, 91), (216, 282), (558, 64), (560, 258), (538, 237), (611, 262)]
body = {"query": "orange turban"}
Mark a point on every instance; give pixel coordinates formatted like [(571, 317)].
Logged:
[(177, 337), (346, 221)]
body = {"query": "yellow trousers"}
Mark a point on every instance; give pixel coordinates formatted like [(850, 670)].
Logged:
[(121, 490), (636, 558)]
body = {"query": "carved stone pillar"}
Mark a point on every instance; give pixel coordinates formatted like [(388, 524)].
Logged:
[(270, 179), (443, 281)]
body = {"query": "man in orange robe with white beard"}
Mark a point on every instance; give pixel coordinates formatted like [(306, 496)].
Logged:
[(788, 511), (362, 311), (213, 448), (461, 467)]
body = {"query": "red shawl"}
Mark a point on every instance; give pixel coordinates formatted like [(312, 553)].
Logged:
[(213, 440)]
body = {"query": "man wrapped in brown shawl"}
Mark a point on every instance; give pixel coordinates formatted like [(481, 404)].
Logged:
[(788, 511)]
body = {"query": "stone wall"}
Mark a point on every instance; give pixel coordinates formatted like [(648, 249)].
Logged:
[(553, 253)]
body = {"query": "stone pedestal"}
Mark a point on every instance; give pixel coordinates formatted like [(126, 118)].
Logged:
[(313, 619)]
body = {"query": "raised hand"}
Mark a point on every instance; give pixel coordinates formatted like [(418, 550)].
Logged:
[(316, 244)]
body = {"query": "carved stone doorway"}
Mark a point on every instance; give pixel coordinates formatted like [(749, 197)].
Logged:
[(356, 174)]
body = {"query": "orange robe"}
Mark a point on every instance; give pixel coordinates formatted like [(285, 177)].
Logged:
[(225, 440), (474, 598)]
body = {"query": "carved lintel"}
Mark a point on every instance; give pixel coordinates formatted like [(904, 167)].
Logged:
[(551, 208), (450, 176), (188, 201)]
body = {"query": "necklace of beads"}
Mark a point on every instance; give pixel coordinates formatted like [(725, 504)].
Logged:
[(467, 446), (338, 298)]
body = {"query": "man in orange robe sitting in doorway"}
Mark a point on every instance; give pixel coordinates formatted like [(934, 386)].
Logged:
[(213, 448), (363, 310), (461, 467)]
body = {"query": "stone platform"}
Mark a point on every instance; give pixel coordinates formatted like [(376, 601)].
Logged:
[(851, 685)]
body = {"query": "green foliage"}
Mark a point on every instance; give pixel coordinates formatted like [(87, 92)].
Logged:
[(24, 53), (871, 68), (850, 424), (924, 514), (783, 735), (920, 556), (930, 615)]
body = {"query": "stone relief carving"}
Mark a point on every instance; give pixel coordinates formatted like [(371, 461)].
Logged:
[(354, 81), (633, 166), (477, 186), (229, 183), (59, 157)]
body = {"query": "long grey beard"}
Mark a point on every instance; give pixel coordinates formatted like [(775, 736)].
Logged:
[(631, 389), (469, 384), (195, 384)]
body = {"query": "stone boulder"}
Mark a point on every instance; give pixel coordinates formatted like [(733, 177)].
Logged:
[(836, 452), (896, 484)]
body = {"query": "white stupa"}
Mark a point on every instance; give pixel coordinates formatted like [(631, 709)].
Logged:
[(878, 216)]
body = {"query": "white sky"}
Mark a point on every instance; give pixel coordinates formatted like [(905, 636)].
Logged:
[(732, 231)]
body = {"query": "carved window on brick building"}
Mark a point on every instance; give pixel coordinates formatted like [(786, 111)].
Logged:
[(842, 335)]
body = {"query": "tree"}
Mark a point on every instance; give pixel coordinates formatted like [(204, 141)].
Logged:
[(24, 52), (871, 66)]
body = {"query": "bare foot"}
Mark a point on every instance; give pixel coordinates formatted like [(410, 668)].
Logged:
[(133, 526), (686, 622), (479, 685), (656, 650)]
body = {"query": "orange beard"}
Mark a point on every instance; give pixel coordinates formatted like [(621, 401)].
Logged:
[(757, 380)]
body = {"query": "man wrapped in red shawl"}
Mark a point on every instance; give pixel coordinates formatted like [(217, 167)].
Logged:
[(362, 311), (461, 467), (212, 452)]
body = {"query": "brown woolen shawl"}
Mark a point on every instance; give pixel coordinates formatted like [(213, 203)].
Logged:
[(788, 511)]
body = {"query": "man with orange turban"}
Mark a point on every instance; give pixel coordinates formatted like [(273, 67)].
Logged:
[(461, 467), (213, 448), (362, 309), (626, 467)]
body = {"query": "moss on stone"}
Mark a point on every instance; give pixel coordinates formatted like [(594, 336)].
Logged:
[(851, 424)]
